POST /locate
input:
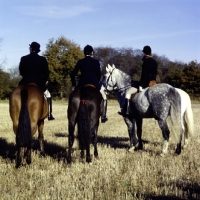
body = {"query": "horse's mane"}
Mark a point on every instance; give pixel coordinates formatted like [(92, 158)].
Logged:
[(126, 77)]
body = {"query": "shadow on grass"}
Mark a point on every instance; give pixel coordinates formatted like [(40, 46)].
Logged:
[(8, 150), (184, 191), (57, 152)]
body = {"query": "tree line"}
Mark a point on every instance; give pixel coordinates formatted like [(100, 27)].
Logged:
[(62, 55)]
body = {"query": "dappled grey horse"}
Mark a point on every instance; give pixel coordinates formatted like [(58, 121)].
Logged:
[(161, 101)]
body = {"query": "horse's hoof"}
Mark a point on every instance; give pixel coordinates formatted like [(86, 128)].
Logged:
[(103, 120), (96, 155), (178, 151), (131, 149), (28, 161), (17, 166), (69, 160), (138, 147), (163, 155), (88, 160), (42, 154)]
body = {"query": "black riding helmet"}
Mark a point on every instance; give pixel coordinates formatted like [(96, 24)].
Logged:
[(88, 50), (147, 50)]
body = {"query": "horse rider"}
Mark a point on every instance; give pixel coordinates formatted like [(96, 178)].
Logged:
[(34, 68), (90, 74), (148, 78)]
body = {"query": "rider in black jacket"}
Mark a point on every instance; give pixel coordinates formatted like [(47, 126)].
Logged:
[(89, 68), (90, 74), (148, 78), (34, 68), (149, 68)]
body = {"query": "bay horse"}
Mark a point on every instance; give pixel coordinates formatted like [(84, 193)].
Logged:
[(28, 108), (84, 109), (160, 101)]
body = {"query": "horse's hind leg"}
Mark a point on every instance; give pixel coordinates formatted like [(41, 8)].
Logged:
[(88, 157), (165, 132), (178, 146), (28, 155), (71, 128), (41, 136), (139, 133), (131, 125), (94, 140), (19, 153)]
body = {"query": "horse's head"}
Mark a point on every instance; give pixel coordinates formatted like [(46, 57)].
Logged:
[(109, 81), (116, 80)]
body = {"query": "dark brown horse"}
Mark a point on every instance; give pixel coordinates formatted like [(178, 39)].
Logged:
[(28, 109), (84, 108)]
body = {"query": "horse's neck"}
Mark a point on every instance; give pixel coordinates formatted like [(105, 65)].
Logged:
[(122, 84), (123, 81)]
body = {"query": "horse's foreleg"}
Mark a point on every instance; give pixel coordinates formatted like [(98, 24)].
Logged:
[(70, 141), (41, 136), (165, 132), (132, 133)]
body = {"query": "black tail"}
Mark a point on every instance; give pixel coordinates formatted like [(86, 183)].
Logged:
[(24, 136), (83, 122)]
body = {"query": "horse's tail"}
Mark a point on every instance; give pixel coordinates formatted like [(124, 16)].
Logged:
[(24, 135), (175, 113), (189, 119), (83, 121)]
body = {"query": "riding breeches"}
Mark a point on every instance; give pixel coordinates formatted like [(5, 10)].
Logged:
[(130, 91), (47, 93), (103, 93)]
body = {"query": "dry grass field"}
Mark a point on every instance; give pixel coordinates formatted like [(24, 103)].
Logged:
[(116, 174)]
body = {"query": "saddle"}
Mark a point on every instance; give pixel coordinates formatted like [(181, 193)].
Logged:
[(89, 85), (151, 83), (33, 84)]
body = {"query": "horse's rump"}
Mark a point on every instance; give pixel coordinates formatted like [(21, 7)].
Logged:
[(36, 103)]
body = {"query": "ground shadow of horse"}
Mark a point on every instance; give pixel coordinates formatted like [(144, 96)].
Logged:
[(58, 152), (7, 150), (55, 151)]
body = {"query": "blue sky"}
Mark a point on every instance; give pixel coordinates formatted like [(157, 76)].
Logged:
[(170, 27)]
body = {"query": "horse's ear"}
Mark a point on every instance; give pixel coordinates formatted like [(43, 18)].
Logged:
[(109, 68), (113, 66)]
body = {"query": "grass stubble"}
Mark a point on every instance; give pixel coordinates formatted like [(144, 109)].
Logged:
[(116, 174)]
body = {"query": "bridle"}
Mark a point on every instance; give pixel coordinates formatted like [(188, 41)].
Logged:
[(114, 86)]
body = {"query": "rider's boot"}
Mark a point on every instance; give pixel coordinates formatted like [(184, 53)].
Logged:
[(103, 116), (125, 110), (50, 116)]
